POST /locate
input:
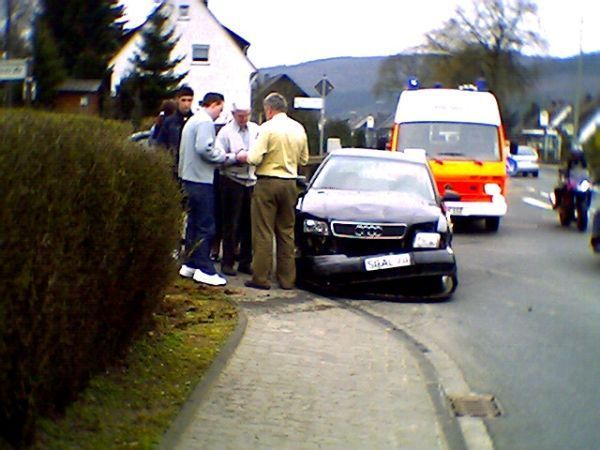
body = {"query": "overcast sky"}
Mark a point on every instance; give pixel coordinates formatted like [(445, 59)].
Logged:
[(294, 31)]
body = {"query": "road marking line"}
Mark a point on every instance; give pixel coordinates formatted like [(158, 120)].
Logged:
[(536, 203)]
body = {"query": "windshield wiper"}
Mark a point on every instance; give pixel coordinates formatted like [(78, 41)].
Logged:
[(451, 154)]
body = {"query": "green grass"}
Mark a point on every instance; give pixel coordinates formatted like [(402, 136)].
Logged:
[(132, 405)]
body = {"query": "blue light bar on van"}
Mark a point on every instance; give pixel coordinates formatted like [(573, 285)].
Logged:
[(413, 83), (481, 84)]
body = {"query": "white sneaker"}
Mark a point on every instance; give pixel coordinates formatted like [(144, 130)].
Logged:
[(186, 271), (211, 280)]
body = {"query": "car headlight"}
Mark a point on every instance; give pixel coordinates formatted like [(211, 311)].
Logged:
[(318, 227), (442, 225), (492, 189), (427, 240)]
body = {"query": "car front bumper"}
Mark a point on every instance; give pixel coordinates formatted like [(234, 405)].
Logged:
[(527, 166), (345, 270)]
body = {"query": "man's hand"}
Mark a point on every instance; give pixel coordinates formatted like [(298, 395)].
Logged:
[(242, 157)]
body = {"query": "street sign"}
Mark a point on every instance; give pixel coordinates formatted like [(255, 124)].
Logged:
[(544, 118), (308, 102), (13, 69), (324, 87)]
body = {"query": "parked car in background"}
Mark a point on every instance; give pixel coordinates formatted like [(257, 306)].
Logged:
[(142, 138), (526, 161), (370, 216)]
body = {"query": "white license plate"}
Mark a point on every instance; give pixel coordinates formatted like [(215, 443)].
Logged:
[(455, 211), (387, 262)]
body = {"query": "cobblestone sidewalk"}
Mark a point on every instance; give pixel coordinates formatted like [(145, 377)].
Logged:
[(310, 374)]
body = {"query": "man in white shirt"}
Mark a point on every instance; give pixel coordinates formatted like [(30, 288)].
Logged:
[(236, 183)]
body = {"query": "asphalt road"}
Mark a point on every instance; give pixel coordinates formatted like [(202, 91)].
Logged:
[(524, 324)]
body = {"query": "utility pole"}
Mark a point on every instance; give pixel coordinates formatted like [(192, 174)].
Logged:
[(578, 81), (7, 32), (323, 87)]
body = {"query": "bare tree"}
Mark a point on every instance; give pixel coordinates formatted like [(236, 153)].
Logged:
[(487, 41), (16, 17), (484, 41)]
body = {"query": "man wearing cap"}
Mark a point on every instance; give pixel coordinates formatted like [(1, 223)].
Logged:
[(236, 183), (197, 161)]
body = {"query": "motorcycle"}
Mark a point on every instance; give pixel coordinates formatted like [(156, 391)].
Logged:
[(572, 199)]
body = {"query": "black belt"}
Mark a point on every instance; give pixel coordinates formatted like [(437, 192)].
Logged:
[(270, 177)]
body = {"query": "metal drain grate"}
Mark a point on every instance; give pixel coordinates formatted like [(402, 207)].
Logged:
[(474, 406)]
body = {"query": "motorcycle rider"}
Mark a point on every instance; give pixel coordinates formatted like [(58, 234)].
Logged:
[(572, 196), (576, 162), (576, 165)]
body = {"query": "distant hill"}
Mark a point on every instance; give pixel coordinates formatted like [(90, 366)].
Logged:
[(354, 77)]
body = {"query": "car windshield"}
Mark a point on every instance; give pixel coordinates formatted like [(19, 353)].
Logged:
[(357, 173), (445, 140)]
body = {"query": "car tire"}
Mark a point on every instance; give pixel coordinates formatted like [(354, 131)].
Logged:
[(443, 285), (492, 224), (536, 174)]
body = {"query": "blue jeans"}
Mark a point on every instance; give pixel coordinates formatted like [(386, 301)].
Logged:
[(200, 230)]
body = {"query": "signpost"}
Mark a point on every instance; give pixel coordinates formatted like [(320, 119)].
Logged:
[(308, 103), (13, 69), (323, 87)]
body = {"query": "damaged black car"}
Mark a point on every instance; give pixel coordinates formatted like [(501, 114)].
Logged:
[(371, 217)]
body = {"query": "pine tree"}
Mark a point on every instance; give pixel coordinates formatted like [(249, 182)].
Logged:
[(87, 33), (48, 68), (153, 77)]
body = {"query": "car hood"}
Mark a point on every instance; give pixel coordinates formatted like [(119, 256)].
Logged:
[(367, 206)]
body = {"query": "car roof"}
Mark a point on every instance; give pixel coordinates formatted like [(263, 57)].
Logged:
[(379, 154)]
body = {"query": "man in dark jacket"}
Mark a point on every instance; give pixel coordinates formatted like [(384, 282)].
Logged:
[(170, 131)]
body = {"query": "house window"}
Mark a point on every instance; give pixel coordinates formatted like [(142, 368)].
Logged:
[(184, 12), (200, 53), (84, 101)]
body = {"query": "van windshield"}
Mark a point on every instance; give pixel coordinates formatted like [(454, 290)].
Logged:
[(446, 140)]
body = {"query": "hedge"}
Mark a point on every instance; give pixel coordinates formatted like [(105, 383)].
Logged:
[(88, 224)]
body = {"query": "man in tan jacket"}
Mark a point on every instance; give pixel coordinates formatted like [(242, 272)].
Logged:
[(281, 146)]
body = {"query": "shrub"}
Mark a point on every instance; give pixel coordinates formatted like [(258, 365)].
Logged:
[(88, 223)]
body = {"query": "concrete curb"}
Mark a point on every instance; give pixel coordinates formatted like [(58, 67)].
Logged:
[(186, 415)]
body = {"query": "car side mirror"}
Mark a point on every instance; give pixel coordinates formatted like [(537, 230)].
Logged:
[(451, 196)]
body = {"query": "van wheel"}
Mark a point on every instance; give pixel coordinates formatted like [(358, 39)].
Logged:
[(492, 224)]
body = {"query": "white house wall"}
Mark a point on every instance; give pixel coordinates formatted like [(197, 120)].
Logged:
[(227, 70)]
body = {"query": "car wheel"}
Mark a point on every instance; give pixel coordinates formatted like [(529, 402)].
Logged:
[(536, 174), (492, 224), (442, 286)]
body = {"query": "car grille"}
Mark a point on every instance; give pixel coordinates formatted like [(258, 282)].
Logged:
[(363, 247), (368, 230)]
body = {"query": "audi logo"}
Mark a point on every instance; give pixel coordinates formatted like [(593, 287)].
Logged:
[(370, 231)]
